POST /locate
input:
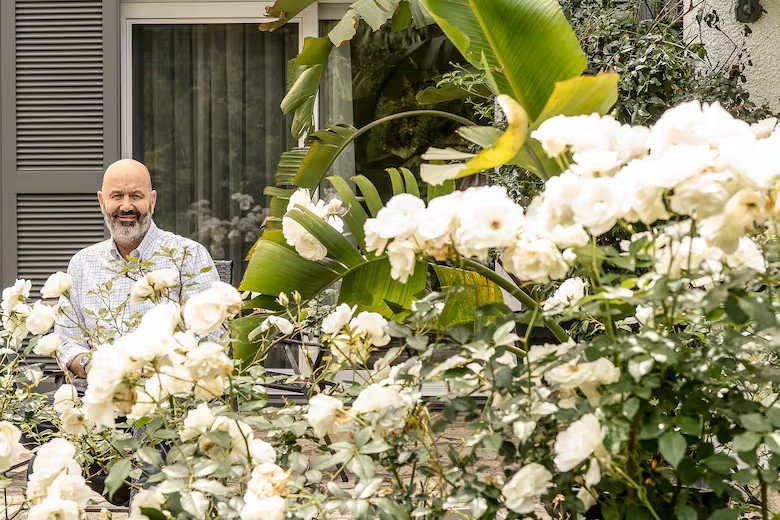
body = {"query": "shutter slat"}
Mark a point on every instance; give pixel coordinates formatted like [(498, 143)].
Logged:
[(51, 228), (59, 86)]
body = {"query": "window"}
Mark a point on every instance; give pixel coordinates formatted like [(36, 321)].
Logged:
[(202, 87)]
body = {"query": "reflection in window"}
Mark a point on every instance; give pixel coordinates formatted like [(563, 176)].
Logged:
[(378, 74), (207, 123)]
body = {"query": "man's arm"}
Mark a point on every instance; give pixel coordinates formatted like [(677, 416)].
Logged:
[(69, 324)]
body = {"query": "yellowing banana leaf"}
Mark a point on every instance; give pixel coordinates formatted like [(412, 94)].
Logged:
[(527, 45), (473, 290), (581, 95), (500, 152)]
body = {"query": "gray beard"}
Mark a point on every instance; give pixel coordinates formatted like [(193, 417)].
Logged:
[(128, 234)]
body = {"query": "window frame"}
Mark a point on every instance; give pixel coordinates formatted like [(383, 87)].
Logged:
[(189, 13)]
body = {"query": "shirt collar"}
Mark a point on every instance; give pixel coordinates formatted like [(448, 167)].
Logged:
[(144, 249)]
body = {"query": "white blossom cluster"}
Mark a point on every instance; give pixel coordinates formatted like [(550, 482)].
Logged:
[(296, 235), (697, 162), (263, 498), (20, 319), (163, 357), (351, 337), (56, 488)]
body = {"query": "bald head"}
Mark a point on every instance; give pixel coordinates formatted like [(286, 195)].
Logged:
[(127, 171), (127, 201)]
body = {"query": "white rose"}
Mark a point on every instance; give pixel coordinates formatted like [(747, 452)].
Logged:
[(74, 422), (402, 255), (376, 397), (227, 295), (704, 195), (172, 380), (599, 205), (282, 324), (146, 498), (398, 219), (197, 422), (267, 480), (337, 319), (488, 219), (70, 487), (208, 389), (568, 293), (55, 508), (747, 256), (525, 487), (208, 360), (204, 313), (52, 459), (161, 320), (141, 290), (16, 294), (239, 433), (47, 345), (439, 221), (535, 259), (523, 429), (373, 325), (261, 451), (56, 285), (593, 475), (586, 375), (322, 413), (65, 398), (268, 508), (10, 447), (577, 442), (15, 321), (41, 318), (305, 243)]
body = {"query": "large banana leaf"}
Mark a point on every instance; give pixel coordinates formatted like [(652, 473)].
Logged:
[(303, 80), (526, 46), (324, 147), (470, 290)]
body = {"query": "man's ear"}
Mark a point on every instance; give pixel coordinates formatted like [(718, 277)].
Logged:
[(100, 201), (153, 201)]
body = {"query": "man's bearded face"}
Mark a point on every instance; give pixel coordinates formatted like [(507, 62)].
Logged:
[(128, 225)]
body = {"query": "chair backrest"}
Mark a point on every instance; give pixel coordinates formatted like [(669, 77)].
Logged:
[(225, 270)]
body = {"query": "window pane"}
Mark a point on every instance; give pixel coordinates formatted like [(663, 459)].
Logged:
[(207, 123)]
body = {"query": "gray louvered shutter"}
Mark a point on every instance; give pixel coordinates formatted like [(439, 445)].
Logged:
[(60, 128)]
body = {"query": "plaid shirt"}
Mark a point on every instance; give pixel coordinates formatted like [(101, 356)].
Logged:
[(93, 267)]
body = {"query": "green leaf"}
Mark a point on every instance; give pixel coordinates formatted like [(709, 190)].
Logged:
[(150, 456), (724, 514), (719, 463), (304, 73), (484, 136), (437, 191), (526, 45), (672, 446), (284, 10), (581, 95), (420, 15), (324, 147), (402, 19), (116, 476), (339, 248), (470, 291), (755, 422), (370, 194), (411, 183), (773, 414), (746, 441), (152, 514), (355, 217), (374, 12), (686, 513), (441, 94), (396, 181), (390, 510), (371, 288)]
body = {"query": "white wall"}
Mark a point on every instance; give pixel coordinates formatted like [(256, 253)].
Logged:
[(762, 46)]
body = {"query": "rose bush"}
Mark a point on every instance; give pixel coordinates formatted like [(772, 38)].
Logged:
[(652, 258)]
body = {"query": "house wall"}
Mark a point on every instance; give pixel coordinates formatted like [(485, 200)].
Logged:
[(761, 46)]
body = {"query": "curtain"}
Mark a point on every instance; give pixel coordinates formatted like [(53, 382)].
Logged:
[(207, 124)]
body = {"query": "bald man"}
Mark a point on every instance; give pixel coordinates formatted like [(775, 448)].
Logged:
[(97, 308)]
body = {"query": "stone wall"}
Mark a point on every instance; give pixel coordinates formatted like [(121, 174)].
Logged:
[(761, 44)]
